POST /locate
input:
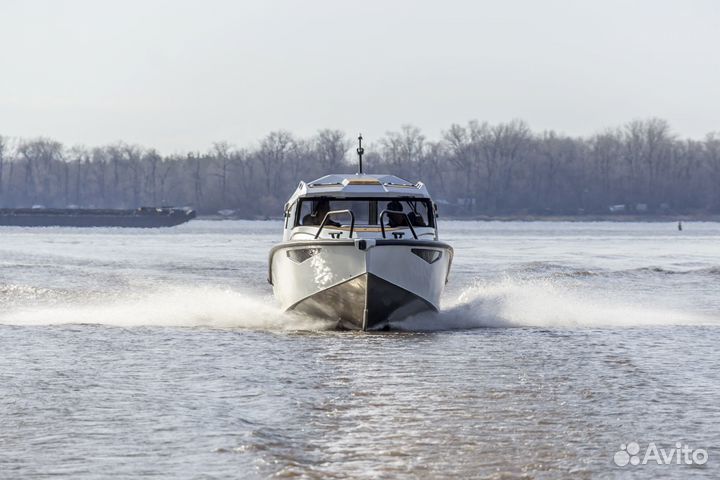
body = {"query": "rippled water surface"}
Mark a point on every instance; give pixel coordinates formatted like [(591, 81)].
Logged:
[(161, 353)]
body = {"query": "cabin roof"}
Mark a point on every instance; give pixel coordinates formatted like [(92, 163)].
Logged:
[(360, 185)]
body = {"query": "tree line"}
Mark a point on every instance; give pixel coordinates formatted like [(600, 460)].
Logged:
[(473, 169)]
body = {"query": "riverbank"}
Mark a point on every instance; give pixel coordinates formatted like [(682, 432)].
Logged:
[(694, 217)]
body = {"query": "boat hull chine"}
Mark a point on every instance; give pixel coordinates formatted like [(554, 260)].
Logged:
[(366, 302), (360, 287)]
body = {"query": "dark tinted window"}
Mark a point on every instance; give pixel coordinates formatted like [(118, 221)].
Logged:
[(366, 210), (312, 211), (400, 211)]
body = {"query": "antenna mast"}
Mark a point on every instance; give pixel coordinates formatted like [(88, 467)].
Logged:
[(360, 150)]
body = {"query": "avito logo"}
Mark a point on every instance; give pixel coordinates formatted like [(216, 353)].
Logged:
[(680, 455)]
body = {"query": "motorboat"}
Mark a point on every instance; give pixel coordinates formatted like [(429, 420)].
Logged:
[(361, 250)]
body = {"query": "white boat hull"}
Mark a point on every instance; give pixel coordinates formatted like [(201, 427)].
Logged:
[(360, 284)]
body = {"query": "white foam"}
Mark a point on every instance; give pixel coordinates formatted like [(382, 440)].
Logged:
[(542, 303), (505, 303), (178, 306)]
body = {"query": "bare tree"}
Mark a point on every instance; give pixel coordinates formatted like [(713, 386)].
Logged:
[(712, 152), (79, 158), (38, 157), (221, 154), (197, 176), (605, 155), (330, 148), (505, 144), (475, 169), (273, 150), (2, 163), (166, 167), (403, 150)]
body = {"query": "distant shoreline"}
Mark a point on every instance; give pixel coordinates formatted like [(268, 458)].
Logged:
[(694, 217)]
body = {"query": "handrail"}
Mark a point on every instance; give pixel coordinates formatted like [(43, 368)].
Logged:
[(407, 219), (335, 212)]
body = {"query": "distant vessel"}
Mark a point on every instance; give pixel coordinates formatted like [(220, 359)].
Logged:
[(361, 250), (143, 217)]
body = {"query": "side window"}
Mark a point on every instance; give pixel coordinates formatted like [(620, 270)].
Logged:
[(290, 214), (420, 214), (305, 216)]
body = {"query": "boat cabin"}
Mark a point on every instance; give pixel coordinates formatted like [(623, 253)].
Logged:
[(360, 206)]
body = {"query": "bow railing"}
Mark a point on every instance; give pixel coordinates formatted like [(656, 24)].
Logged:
[(337, 212)]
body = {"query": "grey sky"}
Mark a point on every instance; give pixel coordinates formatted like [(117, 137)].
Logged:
[(180, 75)]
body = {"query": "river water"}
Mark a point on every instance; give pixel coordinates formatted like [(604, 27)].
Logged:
[(161, 353)]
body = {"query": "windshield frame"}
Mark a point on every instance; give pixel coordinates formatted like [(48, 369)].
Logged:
[(410, 203)]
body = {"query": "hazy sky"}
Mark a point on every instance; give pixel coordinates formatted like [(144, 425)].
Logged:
[(180, 75)]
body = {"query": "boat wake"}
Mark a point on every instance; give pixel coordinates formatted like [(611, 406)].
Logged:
[(174, 307), (504, 303), (543, 303)]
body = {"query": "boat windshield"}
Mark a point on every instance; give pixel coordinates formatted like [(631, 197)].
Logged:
[(367, 211)]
